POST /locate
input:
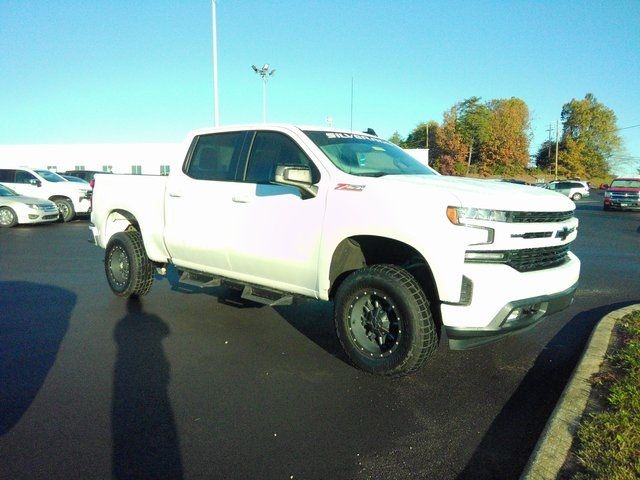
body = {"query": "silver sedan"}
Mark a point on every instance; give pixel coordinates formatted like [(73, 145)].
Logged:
[(15, 209)]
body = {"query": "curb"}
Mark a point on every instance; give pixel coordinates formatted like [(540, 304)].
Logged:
[(554, 443)]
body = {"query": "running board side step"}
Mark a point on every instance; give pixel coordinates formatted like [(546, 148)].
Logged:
[(266, 296), (199, 280), (253, 293)]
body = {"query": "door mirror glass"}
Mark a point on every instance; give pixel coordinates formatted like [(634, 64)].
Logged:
[(296, 176)]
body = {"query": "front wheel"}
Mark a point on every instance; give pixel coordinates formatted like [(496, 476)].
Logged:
[(384, 322), (8, 217), (576, 197), (129, 270), (66, 209)]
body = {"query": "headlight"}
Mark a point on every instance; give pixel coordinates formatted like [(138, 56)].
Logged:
[(607, 194), (457, 215), (32, 206)]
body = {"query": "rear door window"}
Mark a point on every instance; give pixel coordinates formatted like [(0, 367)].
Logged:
[(216, 156), (7, 175)]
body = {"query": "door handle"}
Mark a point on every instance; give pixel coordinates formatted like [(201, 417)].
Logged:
[(240, 199), (175, 195)]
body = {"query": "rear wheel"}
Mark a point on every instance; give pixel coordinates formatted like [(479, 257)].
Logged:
[(384, 322), (66, 209), (576, 196), (8, 217), (129, 270)]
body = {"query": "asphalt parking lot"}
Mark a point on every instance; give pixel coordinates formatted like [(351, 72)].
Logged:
[(198, 384)]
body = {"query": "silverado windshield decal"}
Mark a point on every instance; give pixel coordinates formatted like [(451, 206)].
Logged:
[(356, 136), (350, 187)]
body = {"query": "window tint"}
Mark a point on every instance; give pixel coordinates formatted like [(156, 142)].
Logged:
[(216, 156), (270, 149), (7, 175), (24, 177)]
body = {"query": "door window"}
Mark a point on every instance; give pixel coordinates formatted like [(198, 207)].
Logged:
[(270, 149), (7, 176), (216, 156), (25, 177)]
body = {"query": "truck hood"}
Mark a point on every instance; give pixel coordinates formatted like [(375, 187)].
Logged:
[(482, 193)]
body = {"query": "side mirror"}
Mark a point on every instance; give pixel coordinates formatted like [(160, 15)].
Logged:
[(36, 182), (296, 176)]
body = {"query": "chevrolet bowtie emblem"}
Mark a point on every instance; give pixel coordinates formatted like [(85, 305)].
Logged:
[(564, 233)]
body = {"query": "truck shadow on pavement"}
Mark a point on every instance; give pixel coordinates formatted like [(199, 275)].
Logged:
[(145, 437), (34, 319), (511, 438)]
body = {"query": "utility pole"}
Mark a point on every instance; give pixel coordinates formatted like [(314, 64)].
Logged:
[(469, 161), (426, 143), (556, 149), (550, 129), (214, 34)]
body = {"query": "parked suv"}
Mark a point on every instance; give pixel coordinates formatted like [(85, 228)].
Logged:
[(86, 175), (573, 189), (70, 197), (624, 194)]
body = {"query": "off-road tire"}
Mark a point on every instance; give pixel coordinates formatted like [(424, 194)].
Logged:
[(67, 212), (129, 271), (402, 304), (8, 217)]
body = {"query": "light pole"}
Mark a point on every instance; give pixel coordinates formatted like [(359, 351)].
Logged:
[(265, 73), (214, 35)]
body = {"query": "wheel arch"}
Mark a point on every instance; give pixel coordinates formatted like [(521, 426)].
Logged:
[(119, 221), (360, 251)]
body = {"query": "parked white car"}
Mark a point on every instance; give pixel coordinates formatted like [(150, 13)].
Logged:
[(573, 189), (15, 209), (71, 198)]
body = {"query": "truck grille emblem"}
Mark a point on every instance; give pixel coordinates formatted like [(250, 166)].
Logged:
[(564, 233)]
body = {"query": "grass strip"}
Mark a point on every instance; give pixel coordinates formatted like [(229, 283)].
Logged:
[(609, 440)]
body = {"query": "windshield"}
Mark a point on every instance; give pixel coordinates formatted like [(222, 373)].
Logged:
[(50, 176), (367, 156), (625, 183), (7, 192)]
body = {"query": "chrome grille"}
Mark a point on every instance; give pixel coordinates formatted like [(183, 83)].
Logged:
[(625, 196)]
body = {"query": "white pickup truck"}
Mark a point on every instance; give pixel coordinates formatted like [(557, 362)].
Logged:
[(404, 253)]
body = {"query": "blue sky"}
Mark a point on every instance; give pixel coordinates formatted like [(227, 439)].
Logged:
[(141, 71)]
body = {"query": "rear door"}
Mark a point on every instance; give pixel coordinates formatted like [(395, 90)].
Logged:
[(199, 217)]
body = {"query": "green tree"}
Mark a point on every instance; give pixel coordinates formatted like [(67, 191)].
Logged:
[(396, 138), (589, 138), (418, 136), (545, 157), (474, 123)]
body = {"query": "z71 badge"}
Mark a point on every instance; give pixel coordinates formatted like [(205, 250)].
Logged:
[(350, 187)]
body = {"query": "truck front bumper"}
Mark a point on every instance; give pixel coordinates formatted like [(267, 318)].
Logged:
[(505, 302)]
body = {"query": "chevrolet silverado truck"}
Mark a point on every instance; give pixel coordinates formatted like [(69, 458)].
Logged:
[(406, 255), (623, 194)]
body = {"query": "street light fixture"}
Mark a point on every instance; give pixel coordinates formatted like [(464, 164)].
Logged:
[(265, 73)]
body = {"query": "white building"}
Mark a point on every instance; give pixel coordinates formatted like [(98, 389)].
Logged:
[(137, 158)]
